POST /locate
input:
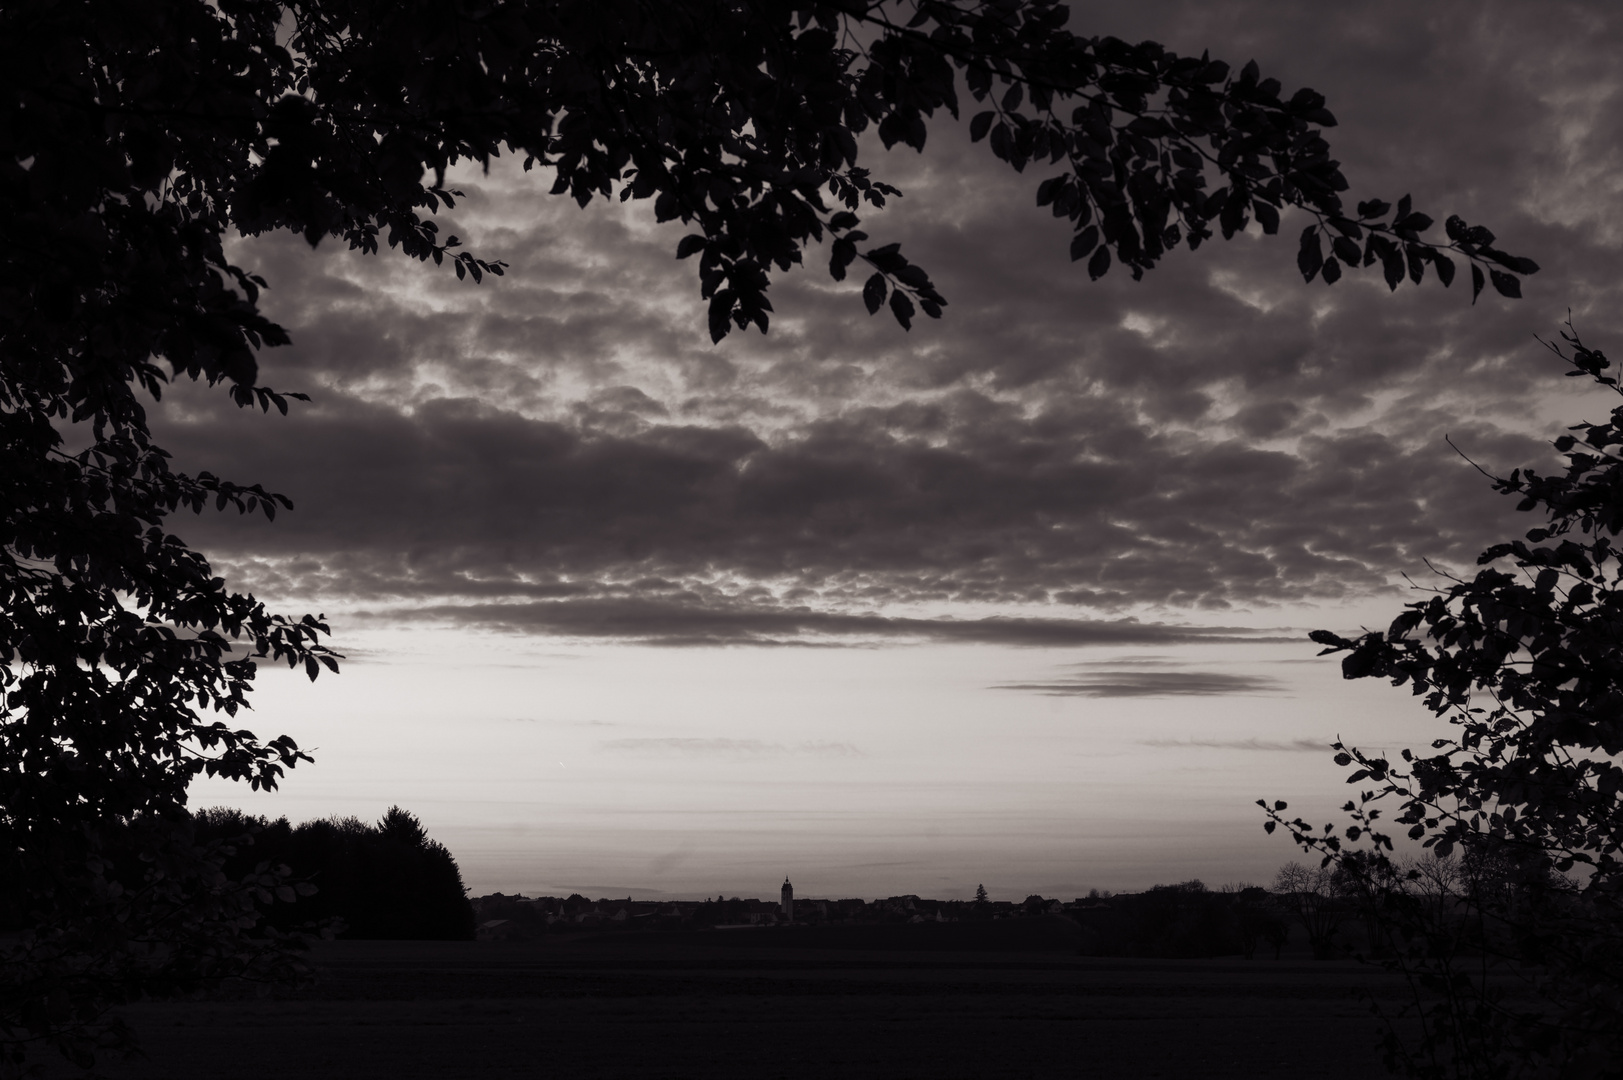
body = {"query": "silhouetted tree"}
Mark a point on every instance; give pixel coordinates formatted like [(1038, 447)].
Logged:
[(1184, 920), (1258, 918), (387, 881), (138, 133), (1180, 920), (1525, 660), (1311, 895), (1276, 932)]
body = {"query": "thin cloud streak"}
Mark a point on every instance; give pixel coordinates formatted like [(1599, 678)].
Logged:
[(1124, 684), (1294, 746), (730, 748)]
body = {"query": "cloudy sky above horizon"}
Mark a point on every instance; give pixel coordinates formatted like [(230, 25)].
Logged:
[(1017, 597)]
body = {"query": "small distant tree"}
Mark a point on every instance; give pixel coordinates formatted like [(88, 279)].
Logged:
[(1276, 932), (1257, 919), (980, 896), (1309, 894), (1436, 881)]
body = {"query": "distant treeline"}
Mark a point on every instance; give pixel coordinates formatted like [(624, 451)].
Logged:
[(1182, 920), (387, 880)]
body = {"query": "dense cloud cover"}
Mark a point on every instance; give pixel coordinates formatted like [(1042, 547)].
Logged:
[(563, 452)]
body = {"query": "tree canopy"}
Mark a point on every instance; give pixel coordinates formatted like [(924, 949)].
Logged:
[(137, 135), (1524, 660), (386, 881)]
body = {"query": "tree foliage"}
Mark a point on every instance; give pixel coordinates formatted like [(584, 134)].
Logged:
[(385, 881), (1313, 895), (1181, 920), (136, 135), (1516, 948)]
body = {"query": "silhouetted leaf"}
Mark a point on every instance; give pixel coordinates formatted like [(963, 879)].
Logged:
[(873, 293), (1392, 266), (720, 314), (1100, 263), (1001, 145), (1084, 242), (1310, 255), (1507, 285), (843, 254), (902, 308)]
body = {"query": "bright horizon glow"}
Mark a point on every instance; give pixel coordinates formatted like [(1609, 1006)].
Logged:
[(684, 773)]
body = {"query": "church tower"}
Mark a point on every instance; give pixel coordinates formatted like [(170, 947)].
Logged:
[(788, 895)]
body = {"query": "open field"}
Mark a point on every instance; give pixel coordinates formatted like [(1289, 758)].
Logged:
[(762, 1004)]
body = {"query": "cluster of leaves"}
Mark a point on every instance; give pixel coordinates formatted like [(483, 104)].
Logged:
[(1526, 660), (122, 656), (1147, 132), (122, 911)]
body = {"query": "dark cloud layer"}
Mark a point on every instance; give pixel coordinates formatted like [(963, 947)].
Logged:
[(710, 619), (562, 451)]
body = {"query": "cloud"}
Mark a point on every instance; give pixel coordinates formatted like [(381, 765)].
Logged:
[(1139, 683), (608, 892), (1082, 512), (562, 723), (1304, 746), (729, 748), (718, 620), (562, 450)]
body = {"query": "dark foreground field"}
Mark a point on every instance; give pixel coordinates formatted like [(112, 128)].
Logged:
[(918, 1002)]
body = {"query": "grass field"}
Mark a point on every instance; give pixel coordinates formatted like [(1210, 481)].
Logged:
[(765, 1004)]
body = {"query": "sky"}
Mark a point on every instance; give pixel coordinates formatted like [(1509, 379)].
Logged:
[(1019, 597)]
